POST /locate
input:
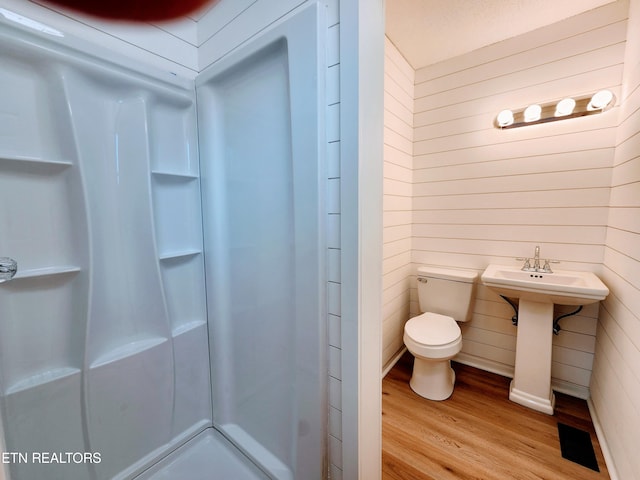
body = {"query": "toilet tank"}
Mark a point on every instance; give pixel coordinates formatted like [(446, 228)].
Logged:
[(447, 291)]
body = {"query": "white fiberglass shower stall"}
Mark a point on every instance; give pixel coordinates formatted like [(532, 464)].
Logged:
[(167, 315)]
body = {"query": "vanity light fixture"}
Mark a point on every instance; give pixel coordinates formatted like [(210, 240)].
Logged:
[(563, 109)]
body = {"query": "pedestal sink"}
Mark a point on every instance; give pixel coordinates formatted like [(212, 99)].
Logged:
[(537, 293)]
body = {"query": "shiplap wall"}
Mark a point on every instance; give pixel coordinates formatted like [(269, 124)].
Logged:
[(398, 160), (615, 383), (481, 195)]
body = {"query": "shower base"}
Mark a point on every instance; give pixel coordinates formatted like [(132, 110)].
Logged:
[(208, 456)]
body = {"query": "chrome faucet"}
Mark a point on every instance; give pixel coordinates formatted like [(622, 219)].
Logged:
[(536, 259), (527, 267)]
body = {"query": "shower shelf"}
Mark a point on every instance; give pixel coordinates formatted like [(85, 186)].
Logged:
[(46, 271), (34, 161), (186, 327), (185, 254), (41, 378), (129, 349), (174, 176)]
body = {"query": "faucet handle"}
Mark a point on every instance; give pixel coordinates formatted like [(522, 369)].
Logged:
[(527, 266), (8, 268), (547, 268)]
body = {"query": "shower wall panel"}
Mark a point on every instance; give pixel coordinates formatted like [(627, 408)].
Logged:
[(103, 337), (262, 191)]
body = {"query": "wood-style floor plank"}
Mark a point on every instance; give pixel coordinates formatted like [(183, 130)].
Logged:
[(477, 434)]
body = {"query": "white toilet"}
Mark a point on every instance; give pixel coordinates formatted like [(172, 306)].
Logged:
[(446, 296)]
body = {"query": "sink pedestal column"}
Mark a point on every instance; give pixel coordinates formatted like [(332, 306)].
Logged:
[(531, 384)]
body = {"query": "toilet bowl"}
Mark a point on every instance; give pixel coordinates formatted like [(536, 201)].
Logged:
[(433, 340), (434, 337)]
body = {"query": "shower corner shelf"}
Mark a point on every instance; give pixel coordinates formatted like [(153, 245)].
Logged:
[(34, 161), (182, 254), (176, 176), (46, 271), (126, 350), (187, 327), (41, 378)]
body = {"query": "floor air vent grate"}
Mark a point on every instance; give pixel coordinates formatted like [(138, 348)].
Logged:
[(576, 446)]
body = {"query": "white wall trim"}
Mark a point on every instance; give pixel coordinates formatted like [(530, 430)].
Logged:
[(484, 364), (571, 389), (561, 386), (604, 446), (361, 161), (391, 363)]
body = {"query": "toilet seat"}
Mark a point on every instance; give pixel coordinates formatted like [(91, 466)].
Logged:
[(433, 336), (432, 329)]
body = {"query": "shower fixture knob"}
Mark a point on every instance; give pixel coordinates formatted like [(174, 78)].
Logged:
[(8, 268)]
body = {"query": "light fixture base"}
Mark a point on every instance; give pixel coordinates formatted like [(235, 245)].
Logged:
[(551, 112)]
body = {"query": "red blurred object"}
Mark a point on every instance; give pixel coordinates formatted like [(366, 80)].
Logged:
[(135, 10)]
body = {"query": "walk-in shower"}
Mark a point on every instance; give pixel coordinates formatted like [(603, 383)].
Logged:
[(169, 298)]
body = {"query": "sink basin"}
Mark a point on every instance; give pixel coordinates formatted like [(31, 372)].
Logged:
[(537, 293), (560, 287)]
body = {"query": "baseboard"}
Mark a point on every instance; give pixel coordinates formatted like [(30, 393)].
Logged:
[(571, 389), (484, 364), (604, 446), (561, 386), (393, 361)]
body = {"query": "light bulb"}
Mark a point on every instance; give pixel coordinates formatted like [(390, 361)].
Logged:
[(600, 100), (532, 113), (505, 118), (565, 107)]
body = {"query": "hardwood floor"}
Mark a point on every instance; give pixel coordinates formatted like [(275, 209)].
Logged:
[(477, 433)]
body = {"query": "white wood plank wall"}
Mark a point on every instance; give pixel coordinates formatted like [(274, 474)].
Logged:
[(481, 195), (398, 173), (615, 383)]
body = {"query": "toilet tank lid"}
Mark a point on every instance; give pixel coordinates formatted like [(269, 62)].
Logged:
[(456, 274)]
